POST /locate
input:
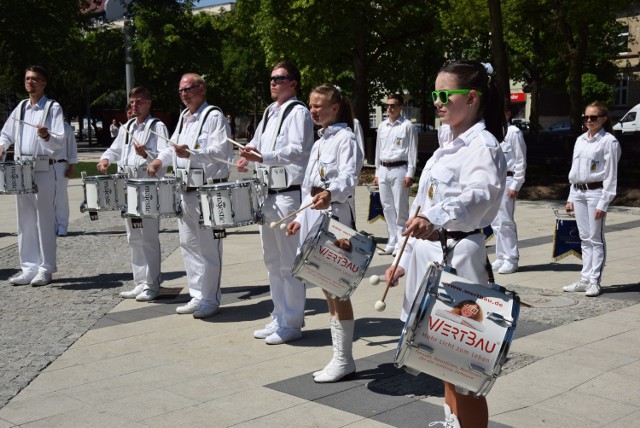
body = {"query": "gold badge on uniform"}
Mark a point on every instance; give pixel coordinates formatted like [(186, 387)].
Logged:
[(594, 165), (399, 142), (322, 171), (432, 190), (197, 147)]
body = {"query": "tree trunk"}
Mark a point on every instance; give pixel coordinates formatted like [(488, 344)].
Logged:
[(498, 49)]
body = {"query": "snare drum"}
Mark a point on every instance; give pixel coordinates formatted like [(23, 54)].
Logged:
[(104, 192), (16, 177), (228, 205), (334, 257), (152, 198), (458, 331)]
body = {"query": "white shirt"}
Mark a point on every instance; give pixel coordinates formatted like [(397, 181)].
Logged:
[(29, 144), (596, 159), (292, 144), (461, 184), (357, 130), (397, 141), (209, 146), (70, 151), (125, 154), (515, 152)]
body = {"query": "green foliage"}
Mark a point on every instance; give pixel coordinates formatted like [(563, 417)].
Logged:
[(595, 90)]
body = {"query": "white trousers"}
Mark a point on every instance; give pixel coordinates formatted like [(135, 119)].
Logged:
[(468, 258), (279, 253), (62, 195), (145, 251), (202, 254), (395, 201), (505, 230), (36, 226), (594, 249)]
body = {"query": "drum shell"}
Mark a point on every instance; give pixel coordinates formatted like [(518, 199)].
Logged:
[(17, 177), (105, 192), (325, 263), (229, 205), (464, 352), (152, 198)]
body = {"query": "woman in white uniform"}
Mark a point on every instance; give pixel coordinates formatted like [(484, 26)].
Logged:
[(593, 178), (329, 183), (459, 193)]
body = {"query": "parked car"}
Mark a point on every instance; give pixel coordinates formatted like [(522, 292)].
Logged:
[(423, 128), (561, 126), (629, 123)]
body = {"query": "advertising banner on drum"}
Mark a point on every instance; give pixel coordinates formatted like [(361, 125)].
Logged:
[(461, 333), (334, 257)]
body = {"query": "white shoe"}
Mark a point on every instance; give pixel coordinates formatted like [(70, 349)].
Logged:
[(42, 278), (508, 267), (189, 308), (450, 420), (579, 285), (343, 364), (497, 264), (387, 251), (206, 310), (267, 331), (593, 290), (132, 294), (148, 294), (22, 279), (283, 335)]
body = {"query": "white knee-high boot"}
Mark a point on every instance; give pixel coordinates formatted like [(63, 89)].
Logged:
[(343, 363), (450, 420), (332, 320)]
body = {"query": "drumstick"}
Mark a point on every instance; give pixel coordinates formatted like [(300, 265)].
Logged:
[(380, 304), (35, 126), (137, 143), (242, 147), (274, 224), (171, 142)]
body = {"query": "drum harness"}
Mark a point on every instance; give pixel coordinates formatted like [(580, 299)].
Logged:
[(286, 108), (126, 147), (16, 130)]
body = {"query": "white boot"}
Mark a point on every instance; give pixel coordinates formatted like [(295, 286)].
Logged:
[(332, 320), (343, 364), (450, 421)]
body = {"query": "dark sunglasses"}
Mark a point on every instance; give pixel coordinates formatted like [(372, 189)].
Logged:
[(443, 96), (392, 106), (592, 117), (187, 89), (279, 79)]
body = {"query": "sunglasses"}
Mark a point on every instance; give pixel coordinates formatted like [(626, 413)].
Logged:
[(187, 89), (592, 117), (392, 106), (443, 96), (279, 79)]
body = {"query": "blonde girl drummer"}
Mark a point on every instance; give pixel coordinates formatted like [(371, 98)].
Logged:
[(329, 184)]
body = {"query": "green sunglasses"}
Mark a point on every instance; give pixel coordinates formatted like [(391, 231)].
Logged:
[(443, 96)]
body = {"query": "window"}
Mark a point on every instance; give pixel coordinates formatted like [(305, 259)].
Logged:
[(623, 40), (621, 91), (373, 119)]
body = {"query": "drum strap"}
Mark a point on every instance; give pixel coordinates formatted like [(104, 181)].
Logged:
[(124, 150), (286, 109), (22, 108), (203, 119)]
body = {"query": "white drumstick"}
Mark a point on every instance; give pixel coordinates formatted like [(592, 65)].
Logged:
[(138, 144), (380, 304), (35, 126), (242, 147), (170, 141), (274, 224)]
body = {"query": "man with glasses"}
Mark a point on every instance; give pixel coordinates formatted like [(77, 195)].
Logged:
[(135, 146), (199, 140), (396, 152), (280, 148), (36, 129)]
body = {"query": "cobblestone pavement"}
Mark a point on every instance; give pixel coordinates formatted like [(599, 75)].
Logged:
[(37, 324)]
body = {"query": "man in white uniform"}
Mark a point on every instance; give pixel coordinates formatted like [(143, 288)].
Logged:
[(504, 225), (199, 143), (396, 153), (36, 129), (280, 147), (132, 150), (63, 169)]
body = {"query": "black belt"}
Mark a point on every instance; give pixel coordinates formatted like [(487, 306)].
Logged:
[(392, 164), (509, 173), (295, 187), (454, 234), (587, 186), (212, 181)]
